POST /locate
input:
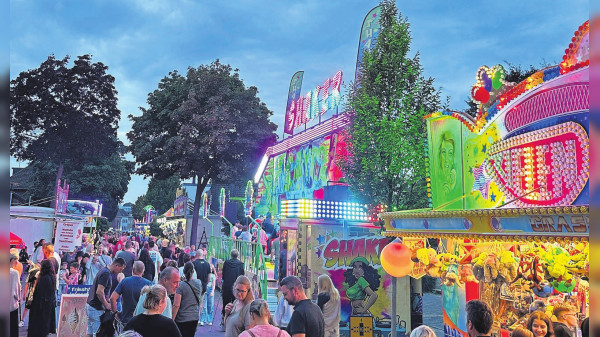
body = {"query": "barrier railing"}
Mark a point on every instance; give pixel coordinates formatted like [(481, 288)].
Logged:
[(251, 254)]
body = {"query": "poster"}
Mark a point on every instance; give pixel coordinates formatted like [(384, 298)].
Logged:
[(68, 235), (72, 319), (446, 169), (350, 257)]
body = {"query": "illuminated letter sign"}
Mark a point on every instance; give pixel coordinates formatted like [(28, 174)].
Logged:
[(315, 103), (547, 167)]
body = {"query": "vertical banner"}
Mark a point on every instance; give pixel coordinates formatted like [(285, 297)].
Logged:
[(62, 194), (368, 34), (292, 109), (222, 202), (68, 235), (249, 202)]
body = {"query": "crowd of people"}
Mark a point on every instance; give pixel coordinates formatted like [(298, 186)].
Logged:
[(152, 287), (127, 275)]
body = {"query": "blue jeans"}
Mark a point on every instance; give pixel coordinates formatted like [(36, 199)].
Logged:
[(208, 307), (93, 319)]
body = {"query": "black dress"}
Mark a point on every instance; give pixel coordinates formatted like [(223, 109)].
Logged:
[(42, 311)]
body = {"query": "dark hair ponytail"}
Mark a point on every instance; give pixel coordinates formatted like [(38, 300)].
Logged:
[(188, 270)]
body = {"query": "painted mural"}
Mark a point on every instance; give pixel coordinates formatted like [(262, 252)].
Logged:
[(350, 256), (299, 173)]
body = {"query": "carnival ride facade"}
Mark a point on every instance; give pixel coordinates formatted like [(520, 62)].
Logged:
[(509, 195)]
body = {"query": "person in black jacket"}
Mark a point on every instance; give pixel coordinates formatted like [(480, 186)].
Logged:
[(42, 316), (232, 268)]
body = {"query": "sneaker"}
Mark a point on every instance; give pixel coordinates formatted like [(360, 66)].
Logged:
[(21, 324), (209, 323), (201, 323)]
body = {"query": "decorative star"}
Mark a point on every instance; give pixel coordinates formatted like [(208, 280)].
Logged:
[(493, 197), (319, 251), (321, 239), (374, 15), (470, 170), (334, 234), (484, 148), (363, 41), (309, 245)]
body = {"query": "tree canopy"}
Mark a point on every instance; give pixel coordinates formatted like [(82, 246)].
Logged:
[(65, 119), (385, 162), (160, 194), (59, 113), (104, 179), (206, 124)]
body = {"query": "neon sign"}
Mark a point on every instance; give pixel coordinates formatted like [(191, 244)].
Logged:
[(544, 168), (316, 102)]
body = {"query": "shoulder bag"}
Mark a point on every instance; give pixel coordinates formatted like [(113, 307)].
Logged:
[(193, 291)]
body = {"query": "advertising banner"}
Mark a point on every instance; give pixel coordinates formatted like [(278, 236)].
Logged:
[(180, 205), (368, 35), (68, 235), (293, 95)]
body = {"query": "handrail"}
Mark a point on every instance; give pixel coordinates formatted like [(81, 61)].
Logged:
[(251, 255)]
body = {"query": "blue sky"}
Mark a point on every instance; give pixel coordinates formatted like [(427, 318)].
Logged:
[(268, 41)]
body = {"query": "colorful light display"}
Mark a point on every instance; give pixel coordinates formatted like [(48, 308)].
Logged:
[(321, 209), (545, 167), (316, 102), (528, 146)]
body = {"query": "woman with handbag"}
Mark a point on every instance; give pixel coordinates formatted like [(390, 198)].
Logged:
[(186, 305)]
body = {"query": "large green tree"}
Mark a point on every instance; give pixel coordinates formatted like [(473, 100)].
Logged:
[(161, 193), (385, 162), (65, 119), (206, 125), (137, 211)]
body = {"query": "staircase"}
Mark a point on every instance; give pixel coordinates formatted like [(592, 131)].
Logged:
[(272, 299)]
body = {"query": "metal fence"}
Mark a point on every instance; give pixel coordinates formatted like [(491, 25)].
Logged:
[(251, 254)]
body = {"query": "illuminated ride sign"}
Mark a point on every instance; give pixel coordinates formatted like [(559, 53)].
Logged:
[(528, 145), (322, 209), (318, 101)]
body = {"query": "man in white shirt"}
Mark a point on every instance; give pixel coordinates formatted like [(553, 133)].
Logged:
[(168, 278)]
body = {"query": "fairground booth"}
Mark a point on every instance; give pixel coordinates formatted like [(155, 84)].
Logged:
[(323, 230), (509, 195)]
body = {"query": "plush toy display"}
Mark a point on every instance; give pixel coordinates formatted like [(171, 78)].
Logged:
[(428, 257)]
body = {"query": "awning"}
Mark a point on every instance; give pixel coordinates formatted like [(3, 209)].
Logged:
[(16, 241)]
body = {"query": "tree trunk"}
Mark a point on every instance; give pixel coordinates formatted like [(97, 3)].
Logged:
[(197, 199), (58, 176)]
